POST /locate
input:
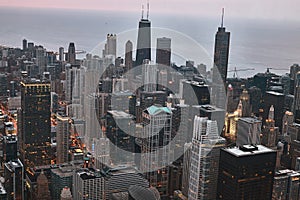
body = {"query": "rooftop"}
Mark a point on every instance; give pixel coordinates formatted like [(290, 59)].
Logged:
[(248, 150), (249, 120), (154, 110)]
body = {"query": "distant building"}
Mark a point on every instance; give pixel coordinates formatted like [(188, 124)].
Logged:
[(221, 53), (237, 177), (277, 100), (163, 51), (143, 49), (10, 148), (128, 55), (248, 131), (71, 56), (24, 45)]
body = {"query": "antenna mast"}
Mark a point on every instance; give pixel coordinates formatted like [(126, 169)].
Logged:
[(142, 11), (147, 9), (222, 22)]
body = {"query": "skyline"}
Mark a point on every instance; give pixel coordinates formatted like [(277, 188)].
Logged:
[(248, 9)]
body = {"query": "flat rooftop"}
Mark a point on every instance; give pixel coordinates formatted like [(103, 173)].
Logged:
[(249, 150), (119, 114), (249, 120)]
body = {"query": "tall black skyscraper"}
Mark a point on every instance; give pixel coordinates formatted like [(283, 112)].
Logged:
[(221, 54), (71, 54), (163, 51), (144, 41), (24, 44), (34, 138)]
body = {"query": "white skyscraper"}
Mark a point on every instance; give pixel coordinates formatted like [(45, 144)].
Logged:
[(206, 145)]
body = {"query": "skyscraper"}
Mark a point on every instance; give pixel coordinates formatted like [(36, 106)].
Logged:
[(128, 55), (24, 44), (71, 58), (144, 41), (296, 110), (221, 53), (62, 139), (156, 154), (111, 45), (43, 191), (35, 122), (246, 172), (61, 54), (206, 145), (163, 51)]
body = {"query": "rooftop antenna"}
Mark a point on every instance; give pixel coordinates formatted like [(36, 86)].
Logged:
[(142, 11), (147, 9), (222, 22)]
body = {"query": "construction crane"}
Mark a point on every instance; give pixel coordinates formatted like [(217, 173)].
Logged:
[(235, 74)]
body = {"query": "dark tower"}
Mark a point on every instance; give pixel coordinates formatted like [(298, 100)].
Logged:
[(144, 41), (163, 51), (24, 45), (35, 124), (71, 54), (221, 54), (128, 55)]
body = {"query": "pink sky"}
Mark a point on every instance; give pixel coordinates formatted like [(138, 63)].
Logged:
[(270, 9)]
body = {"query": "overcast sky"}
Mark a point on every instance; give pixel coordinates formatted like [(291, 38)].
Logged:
[(262, 9)]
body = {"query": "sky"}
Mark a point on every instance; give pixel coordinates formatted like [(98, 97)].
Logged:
[(252, 9)]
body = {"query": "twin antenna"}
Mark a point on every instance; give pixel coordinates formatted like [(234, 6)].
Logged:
[(147, 10)]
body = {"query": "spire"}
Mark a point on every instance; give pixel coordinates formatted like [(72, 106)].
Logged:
[(147, 9), (142, 11), (222, 22)]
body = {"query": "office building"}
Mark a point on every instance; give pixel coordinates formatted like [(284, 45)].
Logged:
[(186, 168), (205, 154), (149, 76), (270, 133), (35, 124), (13, 175), (221, 53), (163, 51), (286, 185), (111, 45), (61, 177), (120, 129), (88, 184), (246, 172), (10, 147), (143, 49), (248, 131), (195, 93), (156, 153), (61, 54)]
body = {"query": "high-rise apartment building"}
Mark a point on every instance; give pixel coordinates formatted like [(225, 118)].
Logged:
[(205, 154), (62, 139), (35, 132), (128, 55)]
